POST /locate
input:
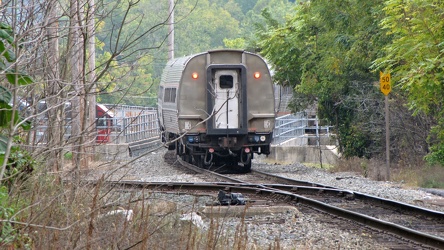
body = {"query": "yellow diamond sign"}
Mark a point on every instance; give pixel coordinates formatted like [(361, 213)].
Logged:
[(384, 80)]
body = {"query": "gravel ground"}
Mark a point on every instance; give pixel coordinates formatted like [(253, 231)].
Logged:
[(292, 229)]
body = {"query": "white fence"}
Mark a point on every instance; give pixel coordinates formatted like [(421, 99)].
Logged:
[(129, 124), (120, 124), (299, 129)]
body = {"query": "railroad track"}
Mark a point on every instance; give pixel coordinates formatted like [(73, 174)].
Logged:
[(397, 224), (410, 222)]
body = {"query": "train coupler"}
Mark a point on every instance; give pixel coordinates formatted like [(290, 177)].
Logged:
[(226, 142)]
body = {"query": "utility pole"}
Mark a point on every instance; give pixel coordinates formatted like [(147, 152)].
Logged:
[(90, 28), (170, 30)]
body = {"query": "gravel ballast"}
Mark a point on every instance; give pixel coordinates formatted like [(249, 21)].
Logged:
[(292, 229)]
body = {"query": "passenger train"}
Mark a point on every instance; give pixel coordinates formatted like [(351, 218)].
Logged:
[(217, 108)]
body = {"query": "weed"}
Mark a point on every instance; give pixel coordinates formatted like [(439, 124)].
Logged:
[(68, 156)]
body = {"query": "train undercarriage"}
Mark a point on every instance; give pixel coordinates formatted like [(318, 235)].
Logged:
[(213, 152)]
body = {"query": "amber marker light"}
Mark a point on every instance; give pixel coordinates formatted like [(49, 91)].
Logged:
[(194, 75), (257, 75)]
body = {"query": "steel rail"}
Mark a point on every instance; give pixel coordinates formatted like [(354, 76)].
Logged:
[(304, 187), (208, 172), (289, 196), (289, 181)]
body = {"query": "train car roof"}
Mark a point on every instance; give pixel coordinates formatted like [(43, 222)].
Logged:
[(174, 67), (184, 60)]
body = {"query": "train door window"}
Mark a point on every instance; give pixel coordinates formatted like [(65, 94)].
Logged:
[(226, 81)]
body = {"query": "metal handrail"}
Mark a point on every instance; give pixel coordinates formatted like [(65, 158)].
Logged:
[(291, 126)]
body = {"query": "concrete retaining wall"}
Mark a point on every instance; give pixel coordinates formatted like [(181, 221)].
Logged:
[(110, 151), (279, 154), (303, 154)]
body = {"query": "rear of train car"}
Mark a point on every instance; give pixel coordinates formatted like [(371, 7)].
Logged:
[(217, 108)]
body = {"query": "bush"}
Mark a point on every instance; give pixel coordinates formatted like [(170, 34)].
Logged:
[(6, 229), (432, 177), (10, 236), (20, 165)]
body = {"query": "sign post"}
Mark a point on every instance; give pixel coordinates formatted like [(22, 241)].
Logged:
[(386, 87)]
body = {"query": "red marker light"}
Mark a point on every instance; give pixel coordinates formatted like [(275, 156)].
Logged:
[(194, 75), (257, 75)]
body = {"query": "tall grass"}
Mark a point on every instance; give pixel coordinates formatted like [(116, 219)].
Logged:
[(415, 174), (53, 215)]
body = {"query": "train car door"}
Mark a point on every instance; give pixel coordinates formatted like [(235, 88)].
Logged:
[(226, 101)]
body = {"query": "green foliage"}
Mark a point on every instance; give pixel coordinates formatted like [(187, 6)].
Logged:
[(430, 176), (324, 51), (238, 43), (8, 116), (202, 27), (19, 166), (8, 56), (7, 232), (6, 35), (256, 22), (137, 49), (415, 58), (246, 5), (128, 84), (9, 235), (68, 156), (436, 140), (354, 142)]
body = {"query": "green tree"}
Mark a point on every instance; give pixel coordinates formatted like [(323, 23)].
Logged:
[(202, 27), (136, 66), (131, 51), (324, 51), (415, 58), (128, 84), (253, 22)]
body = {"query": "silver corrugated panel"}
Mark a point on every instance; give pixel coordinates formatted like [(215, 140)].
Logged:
[(173, 71), (170, 120)]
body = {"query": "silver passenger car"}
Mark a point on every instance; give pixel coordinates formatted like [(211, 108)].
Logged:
[(217, 108)]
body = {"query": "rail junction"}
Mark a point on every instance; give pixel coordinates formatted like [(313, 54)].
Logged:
[(395, 224), (410, 226)]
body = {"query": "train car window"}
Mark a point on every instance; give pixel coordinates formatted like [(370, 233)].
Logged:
[(166, 96), (226, 81), (173, 95), (170, 95)]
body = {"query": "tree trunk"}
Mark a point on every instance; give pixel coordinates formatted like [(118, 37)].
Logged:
[(53, 91), (75, 58)]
